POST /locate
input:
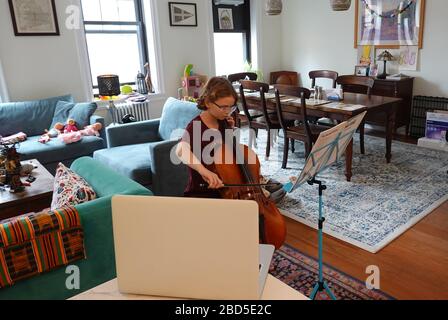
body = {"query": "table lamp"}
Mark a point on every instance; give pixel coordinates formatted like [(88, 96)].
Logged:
[(109, 86), (385, 56)]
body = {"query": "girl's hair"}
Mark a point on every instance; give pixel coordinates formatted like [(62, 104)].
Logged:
[(216, 89)]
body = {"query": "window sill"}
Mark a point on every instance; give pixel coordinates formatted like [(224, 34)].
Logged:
[(103, 104)]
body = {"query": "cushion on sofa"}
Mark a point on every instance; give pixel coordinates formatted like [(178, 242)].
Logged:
[(70, 189), (132, 161), (55, 150), (31, 117), (176, 115), (80, 112)]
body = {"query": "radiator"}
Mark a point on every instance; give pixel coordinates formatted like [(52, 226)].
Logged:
[(420, 107), (140, 111)]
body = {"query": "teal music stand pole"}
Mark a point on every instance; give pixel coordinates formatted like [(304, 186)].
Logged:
[(321, 284)]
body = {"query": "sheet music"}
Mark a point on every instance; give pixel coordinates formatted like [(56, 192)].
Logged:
[(329, 148), (344, 106)]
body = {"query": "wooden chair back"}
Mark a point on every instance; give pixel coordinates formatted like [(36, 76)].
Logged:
[(285, 77), (242, 76), (327, 74), (358, 81), (299, 92), (260, 87)]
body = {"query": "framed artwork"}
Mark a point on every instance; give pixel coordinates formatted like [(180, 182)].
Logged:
[(34, 17), (225, 19), (362, 70), (183, 14), (389, 23)]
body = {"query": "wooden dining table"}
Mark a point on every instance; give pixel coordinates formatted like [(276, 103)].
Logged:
[(352, 105)]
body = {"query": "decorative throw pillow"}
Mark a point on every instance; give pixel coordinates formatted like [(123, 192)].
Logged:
[(70, 189), (80, 112)]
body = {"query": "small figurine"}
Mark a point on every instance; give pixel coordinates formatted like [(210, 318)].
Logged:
[(70, 126), (13, 168)]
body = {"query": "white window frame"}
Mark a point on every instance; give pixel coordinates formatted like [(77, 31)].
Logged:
[(4, 96)]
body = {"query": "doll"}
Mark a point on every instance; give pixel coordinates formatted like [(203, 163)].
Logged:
[(52, 133), (70, 126), (70, 137), (92, 130)]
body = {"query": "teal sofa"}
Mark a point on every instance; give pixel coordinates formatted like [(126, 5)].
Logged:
[(96, 218), (142, 150), (34, 117)]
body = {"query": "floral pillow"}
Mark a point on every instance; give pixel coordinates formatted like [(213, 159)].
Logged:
[(70, 189)]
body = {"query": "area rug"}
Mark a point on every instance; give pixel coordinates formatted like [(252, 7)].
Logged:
[(300, 272), (382, 201)]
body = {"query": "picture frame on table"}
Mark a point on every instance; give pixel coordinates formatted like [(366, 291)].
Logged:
[(183, 14), (362, 70), (389, 23), (34, 17)]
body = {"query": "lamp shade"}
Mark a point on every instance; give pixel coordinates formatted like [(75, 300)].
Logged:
[(274, 7), (340, 5), (108, 85), (385, 56)]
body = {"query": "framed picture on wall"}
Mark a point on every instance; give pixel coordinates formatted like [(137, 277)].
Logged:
[(389, 23), (34, 17), (225, 19), (183, 14)]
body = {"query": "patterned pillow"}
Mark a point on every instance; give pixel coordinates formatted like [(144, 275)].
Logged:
[(70, 189)]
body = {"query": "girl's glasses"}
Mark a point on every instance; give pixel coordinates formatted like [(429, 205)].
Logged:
[(232, 109)]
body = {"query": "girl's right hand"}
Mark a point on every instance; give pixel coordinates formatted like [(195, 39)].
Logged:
[(214, 182)]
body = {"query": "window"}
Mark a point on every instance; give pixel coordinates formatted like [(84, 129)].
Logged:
[(232, 44), (116, 38)]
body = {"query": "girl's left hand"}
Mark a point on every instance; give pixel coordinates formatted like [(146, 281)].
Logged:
[(231, 122)]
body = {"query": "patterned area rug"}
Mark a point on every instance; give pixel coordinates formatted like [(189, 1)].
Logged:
[(301, 273), (382, 201)]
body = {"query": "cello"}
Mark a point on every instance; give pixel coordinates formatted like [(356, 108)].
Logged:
[(239, 168)]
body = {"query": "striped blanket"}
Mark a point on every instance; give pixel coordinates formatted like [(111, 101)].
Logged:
[(33, 244)]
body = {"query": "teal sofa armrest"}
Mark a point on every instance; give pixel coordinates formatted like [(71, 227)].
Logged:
[(168, 179), (97, 119), (133, 133)]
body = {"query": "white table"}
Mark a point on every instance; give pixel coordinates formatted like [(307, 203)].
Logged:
[(274, 290)]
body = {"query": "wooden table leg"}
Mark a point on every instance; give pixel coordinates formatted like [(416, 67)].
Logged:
[(391, 114), (362, 128), (348, 161)]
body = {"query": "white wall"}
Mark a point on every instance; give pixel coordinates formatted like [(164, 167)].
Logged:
[(315, 37), (266, 39), (184, 45), (38, 67)]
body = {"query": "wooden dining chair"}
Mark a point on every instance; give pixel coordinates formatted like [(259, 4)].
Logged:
[(268, 121), (303, 131), (358, 84), (325, 74), (240, 117), (235, 77)]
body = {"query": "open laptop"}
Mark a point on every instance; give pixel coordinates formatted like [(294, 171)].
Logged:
[(189, 248)]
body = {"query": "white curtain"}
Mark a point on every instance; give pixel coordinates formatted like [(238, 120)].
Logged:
[(3, 90)]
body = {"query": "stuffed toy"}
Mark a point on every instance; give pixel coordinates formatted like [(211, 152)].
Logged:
[(70, 137), (92, 130), (70, 126), (52, 133), (17, 138)]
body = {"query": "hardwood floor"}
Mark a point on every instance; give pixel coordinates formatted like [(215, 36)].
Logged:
[(414, 266)]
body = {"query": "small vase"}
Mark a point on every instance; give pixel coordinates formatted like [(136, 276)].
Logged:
[(340, 5), (274, 7)]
